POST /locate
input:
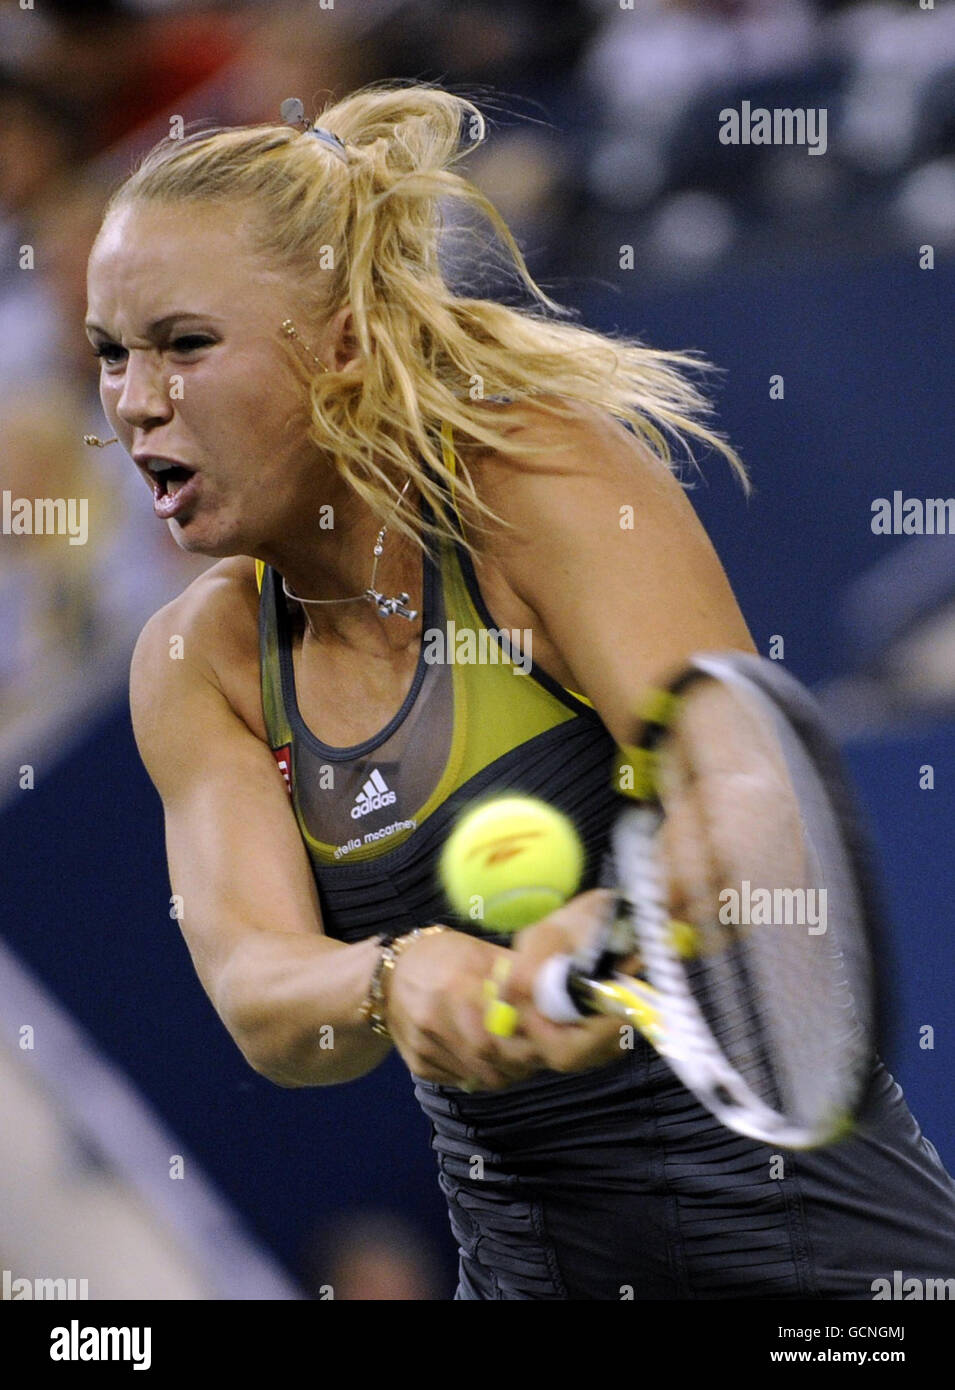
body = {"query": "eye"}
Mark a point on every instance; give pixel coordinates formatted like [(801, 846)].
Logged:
[(192, 342), (110, 353)]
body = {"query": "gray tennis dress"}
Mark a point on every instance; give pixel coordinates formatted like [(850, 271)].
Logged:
[(612, 1183)]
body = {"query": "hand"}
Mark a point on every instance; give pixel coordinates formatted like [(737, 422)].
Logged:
[(435, 1014), (563, 1046)]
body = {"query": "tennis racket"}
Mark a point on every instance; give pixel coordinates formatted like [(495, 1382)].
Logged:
[(746, 893)]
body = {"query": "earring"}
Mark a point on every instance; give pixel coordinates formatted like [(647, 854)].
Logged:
[(291, 332), (95, 442)]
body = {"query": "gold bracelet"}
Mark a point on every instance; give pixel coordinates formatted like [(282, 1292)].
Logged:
[(373, 1008)]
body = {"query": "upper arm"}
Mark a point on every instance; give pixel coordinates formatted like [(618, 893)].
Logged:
[(235, 855), (609, 554)]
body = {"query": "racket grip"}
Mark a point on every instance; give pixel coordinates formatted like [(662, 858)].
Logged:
[(558, 991)]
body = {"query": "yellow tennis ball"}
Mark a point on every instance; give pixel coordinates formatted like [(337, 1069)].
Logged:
[(510, 861)]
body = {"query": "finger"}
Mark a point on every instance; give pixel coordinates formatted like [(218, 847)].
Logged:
[(438, 1076), (500, 1017), (568, 929), (430, 1063), (513, 1058), (471, 1058), (428, 1053), (570, 1046)]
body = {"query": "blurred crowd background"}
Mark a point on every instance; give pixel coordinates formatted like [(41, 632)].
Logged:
[(603, 134)]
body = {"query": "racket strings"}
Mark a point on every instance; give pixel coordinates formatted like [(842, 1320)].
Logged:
[(696, 872), (770, 906)]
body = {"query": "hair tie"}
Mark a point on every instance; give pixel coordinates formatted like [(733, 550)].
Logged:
[(329, 138), (292, 112)]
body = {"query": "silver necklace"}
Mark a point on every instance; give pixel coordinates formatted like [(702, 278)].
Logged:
[(387, 607)]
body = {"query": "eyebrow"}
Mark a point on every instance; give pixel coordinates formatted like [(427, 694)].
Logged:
[(160, 325)]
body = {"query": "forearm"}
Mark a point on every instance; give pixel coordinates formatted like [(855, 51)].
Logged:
[(292, 1003)]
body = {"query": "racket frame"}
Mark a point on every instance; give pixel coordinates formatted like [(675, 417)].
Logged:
[(661, 1006)]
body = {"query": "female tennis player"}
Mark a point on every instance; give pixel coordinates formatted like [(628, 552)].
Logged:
[(372, 459)]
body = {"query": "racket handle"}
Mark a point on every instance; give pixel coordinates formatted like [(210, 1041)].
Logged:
[(559, 992), (563, 995), (564, 990)]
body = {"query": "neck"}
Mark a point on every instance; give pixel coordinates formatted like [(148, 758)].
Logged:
[(337, 568)]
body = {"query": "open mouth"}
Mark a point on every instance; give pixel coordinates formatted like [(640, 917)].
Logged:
[(168, 478), (176, 487)]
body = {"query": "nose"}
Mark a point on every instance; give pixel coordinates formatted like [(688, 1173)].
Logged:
[(145, 398)]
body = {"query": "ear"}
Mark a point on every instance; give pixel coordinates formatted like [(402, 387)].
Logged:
[(341, 350)]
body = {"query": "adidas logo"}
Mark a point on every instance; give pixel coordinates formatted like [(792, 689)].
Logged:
[(372, 797)]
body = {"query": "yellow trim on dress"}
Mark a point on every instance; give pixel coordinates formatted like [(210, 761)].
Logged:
[(450, 463)]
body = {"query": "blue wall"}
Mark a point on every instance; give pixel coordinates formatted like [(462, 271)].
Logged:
[(865, 351)]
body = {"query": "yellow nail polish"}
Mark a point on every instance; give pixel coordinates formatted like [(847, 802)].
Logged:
[(501, 1019)]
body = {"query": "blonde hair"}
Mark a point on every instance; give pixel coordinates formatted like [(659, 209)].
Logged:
[(363, 227)]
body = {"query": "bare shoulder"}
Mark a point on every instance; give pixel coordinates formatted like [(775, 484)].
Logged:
[(209, 631), (210, 616), (606, 554), (581, 459), (560, 425)]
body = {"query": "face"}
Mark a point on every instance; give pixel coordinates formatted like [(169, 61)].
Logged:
[(185, 316)]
